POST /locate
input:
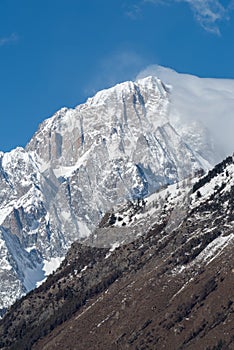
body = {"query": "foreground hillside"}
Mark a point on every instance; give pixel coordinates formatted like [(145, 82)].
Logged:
[(156, 274)]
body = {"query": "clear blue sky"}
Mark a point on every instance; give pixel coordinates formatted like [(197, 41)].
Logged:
[(56, 53)]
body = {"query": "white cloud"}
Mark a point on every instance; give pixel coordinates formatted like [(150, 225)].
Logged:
[(9, 39), (208, 13), (133, 12), (205, 100)]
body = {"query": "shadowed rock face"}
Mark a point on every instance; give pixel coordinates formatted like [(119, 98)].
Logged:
[(120, 145), (172, 287)]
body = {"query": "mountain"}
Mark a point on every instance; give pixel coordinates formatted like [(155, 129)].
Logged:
[(120, 145), (205, 100), (165, 281)]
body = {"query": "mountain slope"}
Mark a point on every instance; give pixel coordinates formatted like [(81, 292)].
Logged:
[(120, 145), (169, 284)]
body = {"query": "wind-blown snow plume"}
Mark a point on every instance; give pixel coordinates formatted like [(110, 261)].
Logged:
[(204, 100)]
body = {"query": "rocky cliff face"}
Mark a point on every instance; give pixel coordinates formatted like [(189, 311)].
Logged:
[(166, 282), (120, 145)]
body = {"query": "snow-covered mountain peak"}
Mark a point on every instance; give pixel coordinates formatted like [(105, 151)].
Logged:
[(14, 157), (121, 113), (18, 165), (152, 84), (146, 87), (120, 145)]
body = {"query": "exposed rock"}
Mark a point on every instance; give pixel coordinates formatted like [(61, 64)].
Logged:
[(170, 287), (120, 145)]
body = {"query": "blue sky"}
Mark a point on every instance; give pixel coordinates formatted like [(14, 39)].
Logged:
[(56, 53)]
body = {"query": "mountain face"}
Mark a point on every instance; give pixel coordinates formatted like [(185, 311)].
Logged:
[(166, 282), (120, 145)]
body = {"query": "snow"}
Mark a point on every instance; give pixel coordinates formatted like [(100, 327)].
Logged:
[(83, 229), (211, 252), (204, 163), (67, 171), (209, 188), (29, 249), (89, 307), (32, 276), (5, 264), (49, 266), (105, 319), (98, 148), (207, 101), (84, 268), (176, 197), (13, 156), (114, 246), (4, 212), (108, 255), (46, 269), (213, 249)]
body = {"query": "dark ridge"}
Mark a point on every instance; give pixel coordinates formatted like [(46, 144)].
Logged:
[(218, 169)]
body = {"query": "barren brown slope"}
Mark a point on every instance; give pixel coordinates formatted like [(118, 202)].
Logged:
[(148, 310)]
